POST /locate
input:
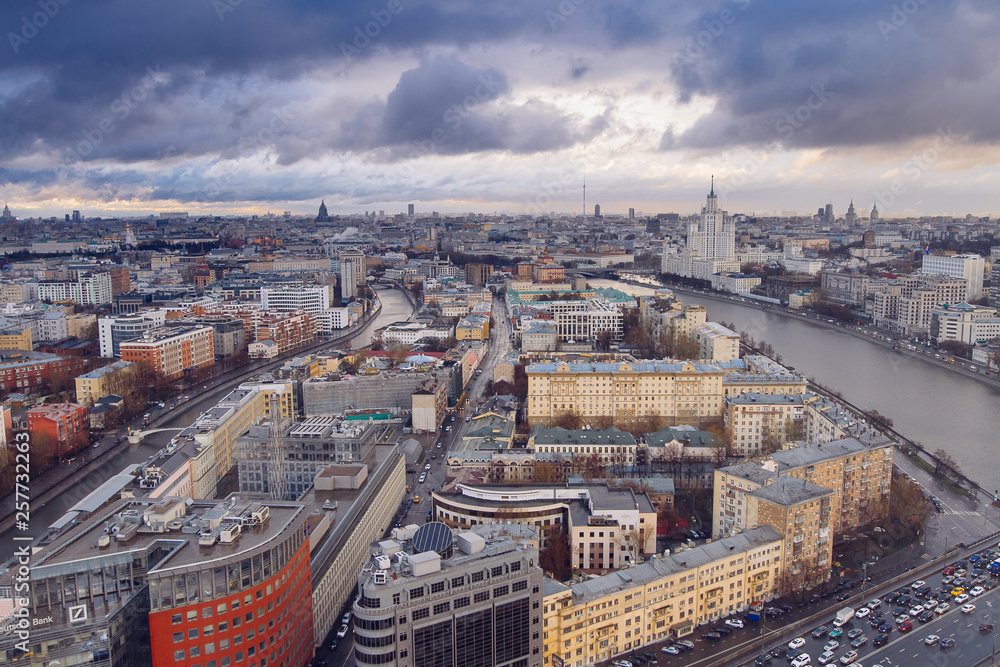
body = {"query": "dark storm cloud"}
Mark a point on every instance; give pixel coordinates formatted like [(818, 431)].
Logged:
[(844, 73), (446, 107)]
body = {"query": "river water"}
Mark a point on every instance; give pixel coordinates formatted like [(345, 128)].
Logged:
[(928, 403), (395, 308)]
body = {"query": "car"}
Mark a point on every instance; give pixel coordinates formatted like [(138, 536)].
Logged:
[(347, 618), (903, 600), (826, 657), (779, 651), (684, 644), (905, 626), (855, 633), (819, 632), (957, 591), (917, 584), (342, 632), (880, 640), (422, 478), (763, 659), (416, 499), (671, 650), (977, 591), (333, 645), (146, 416), (931, 640), (863, 612), (735, 623), (991, 584), (848, 657), (885, 628), (986, 627), (926, 616), (723, 630), (427, 466), (836, 632), (711, 636), (843, 596), (798, 642), (948, 570), (962, 599), (942, 608), (438, 446), (859, 642), (947, 642), (916, 611), (802, 660), (968, 608), (447, 428), (874, 604), (434, 455), (831, 645)]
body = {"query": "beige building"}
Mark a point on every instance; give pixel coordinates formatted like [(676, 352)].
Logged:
[(17, 338), (602, 617), (748, 496), (111, 379), (716, 342), (429, 403), (630, 391), (608, 527), (761, 423)]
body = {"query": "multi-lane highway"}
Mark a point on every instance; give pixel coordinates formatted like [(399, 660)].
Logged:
[(899, 647)]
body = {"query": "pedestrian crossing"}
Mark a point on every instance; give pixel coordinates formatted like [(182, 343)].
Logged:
[(964, 513)]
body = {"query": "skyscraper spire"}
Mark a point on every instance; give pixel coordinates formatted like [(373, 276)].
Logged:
[(585, 193), (712, 193)]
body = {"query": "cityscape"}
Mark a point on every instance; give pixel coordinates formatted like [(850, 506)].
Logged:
[(573, 334)]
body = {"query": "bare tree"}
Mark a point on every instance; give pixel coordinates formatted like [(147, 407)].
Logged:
[(632, 542), (945, 465), (397, 354), (556, 558)]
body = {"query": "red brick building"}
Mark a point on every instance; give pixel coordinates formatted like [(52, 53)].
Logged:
[(30, 372), (65, 425), (289, 330)]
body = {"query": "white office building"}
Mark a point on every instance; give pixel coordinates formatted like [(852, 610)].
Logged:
[(113, 331), (313, 299), (969, 268)]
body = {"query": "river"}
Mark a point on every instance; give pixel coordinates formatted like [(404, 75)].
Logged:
[(928, 403)]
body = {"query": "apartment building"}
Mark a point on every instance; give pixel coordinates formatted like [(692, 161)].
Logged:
[(89, 289), (290, 330), (111, 379), (431, 603), (747, 496), (25, 372), (665, 597), (716, 342), (172, 351), (627, 392), (760, 422), (64, 426)]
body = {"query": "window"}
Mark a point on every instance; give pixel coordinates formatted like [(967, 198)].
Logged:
[(461, 602), (417, 592), (442, 608), (421, 614), (437, 587), (224, 625), (178, 637), (195, 651), (457, 581), (497, 571), (175, 619), (193, 633), (500, 591), (481, 597), (477, 576), (206, 612), (519, 586), (209, 630), (179, 656)]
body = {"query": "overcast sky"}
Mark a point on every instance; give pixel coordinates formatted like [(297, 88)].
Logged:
[(245, 106)]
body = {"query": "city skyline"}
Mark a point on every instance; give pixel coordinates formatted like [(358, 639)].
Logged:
[(232, 107)]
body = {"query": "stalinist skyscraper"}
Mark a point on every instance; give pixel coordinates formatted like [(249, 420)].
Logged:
[(714, 236), (711, 244)]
